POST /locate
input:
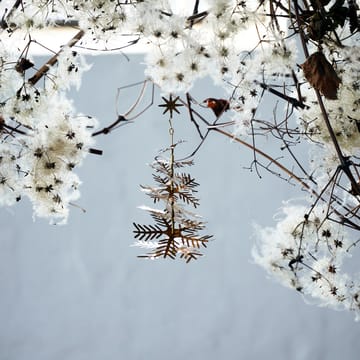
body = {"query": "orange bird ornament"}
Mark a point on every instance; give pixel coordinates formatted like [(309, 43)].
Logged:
[(218, 106)]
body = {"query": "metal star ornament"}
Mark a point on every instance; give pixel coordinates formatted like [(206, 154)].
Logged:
[(171, 105)]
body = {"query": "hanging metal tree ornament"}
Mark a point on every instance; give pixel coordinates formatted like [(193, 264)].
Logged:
[(175, 231)]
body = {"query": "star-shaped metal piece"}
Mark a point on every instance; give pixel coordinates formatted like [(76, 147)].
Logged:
[(171, 105)]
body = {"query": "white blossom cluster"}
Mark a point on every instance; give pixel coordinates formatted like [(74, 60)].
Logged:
[(310, 250), (42, 138), (307, 252), (343, 112), (181, 46)]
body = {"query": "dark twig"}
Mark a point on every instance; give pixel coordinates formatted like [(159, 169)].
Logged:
[(188, 100), (125, 118), (296, 103), (53, 60), (106, 130)]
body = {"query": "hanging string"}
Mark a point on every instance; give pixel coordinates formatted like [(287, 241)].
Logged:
[(172, 165)]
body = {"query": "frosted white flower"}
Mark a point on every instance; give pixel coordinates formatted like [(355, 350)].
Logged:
[(35, 14), (68, 70), (342, 112), (56, 149), (11, 177), (38, 163), (306, 252)]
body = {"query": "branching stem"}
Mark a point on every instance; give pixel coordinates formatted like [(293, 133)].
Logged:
[(53, 60)]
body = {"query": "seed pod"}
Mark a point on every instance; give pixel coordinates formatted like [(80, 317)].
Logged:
[(23, 64)]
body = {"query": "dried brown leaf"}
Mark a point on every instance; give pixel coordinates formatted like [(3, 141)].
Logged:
[(321, 75)]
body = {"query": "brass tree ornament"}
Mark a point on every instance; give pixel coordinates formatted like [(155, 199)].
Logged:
[(176, 230)]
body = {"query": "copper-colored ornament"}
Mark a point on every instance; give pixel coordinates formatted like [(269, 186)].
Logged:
[(218, 106)]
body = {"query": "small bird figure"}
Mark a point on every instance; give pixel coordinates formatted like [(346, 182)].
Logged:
[(218, 106)]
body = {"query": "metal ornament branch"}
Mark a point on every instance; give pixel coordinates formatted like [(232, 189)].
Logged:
[(176, 230)]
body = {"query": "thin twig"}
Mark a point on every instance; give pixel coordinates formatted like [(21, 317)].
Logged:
[(266, 156), (53, 60), (295, 102), (249, 146)]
